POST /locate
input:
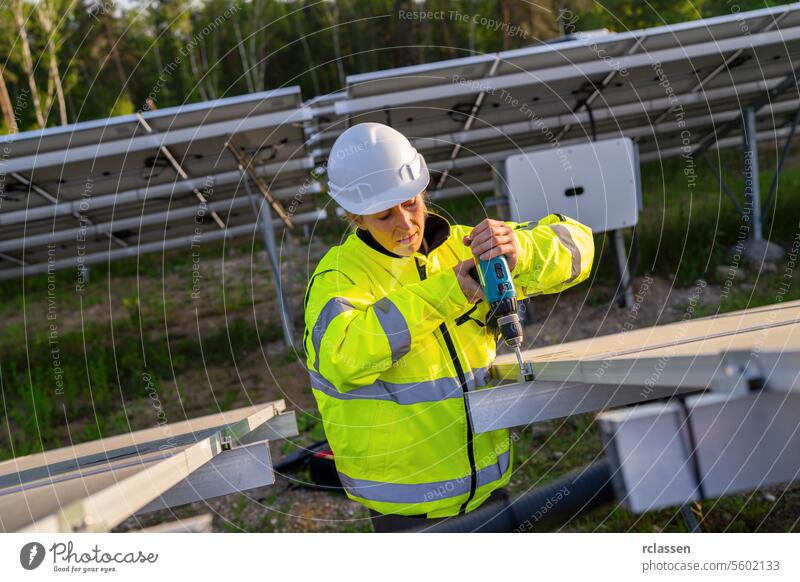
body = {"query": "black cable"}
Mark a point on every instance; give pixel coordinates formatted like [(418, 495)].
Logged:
[(555, 503)]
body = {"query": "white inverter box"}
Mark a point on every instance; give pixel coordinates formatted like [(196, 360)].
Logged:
[(596, 183)]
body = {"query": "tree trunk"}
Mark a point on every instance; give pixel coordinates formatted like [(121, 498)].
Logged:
[(27, 63), (209, 76), (114, 53), (246, 66), (333, 14), (256, 47), (5, 104), (506, 19), (47, 26)]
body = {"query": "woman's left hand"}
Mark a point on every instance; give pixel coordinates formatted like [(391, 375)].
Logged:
[(492, 238)]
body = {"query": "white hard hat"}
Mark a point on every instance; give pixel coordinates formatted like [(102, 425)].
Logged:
[(373, 167)]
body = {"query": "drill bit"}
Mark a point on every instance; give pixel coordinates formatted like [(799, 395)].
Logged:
[(524, 368)]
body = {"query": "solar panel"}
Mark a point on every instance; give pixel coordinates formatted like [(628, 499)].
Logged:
[(87, 184), (639, 84)]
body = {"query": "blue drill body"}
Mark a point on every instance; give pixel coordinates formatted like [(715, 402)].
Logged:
[(498, 288), (495, 279)]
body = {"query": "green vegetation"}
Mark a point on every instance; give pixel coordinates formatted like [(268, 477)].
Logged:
[(98, 58), (73, 368), (685, 233)]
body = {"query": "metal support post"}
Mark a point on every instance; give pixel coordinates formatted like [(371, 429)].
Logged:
[(268, 235), (773, 189), (752, 191), (757, 250), (689, 519), (624, 288)]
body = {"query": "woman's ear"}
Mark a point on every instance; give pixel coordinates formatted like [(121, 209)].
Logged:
[(355, 219)]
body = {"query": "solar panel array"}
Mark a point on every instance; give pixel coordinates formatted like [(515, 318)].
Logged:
[(108, 189)]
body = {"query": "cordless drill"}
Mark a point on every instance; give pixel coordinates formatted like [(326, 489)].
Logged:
[(494, 277)]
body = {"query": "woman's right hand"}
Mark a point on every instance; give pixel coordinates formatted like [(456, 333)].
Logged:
[(470, 287)]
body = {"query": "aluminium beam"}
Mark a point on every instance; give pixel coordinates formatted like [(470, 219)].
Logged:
[(770, 328), (538, 401), (11, 259), (104, 509), (719, 371), (559, 73), (107, 506), (232, 471), (160, 191), (668, 454), (752, 188), (155, 141), (248, 171), (99, 456), (22, 505)]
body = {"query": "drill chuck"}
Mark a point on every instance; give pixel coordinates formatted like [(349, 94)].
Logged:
[(511, 329)]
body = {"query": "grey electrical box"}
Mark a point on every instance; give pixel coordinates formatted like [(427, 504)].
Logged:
[(596, 183)]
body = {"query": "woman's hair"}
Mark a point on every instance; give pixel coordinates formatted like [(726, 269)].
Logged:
[(349, 217)]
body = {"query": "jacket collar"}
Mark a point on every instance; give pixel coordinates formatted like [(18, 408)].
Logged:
[(437, 231)]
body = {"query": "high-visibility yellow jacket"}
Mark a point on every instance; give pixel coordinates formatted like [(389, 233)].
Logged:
[(392, 345)]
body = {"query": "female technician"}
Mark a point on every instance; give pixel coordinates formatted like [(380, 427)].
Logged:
[(396, 332)]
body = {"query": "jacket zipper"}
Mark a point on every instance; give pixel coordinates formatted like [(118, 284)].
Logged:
[(473, 479)]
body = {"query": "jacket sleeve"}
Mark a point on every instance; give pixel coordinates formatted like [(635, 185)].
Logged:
[(557, 252), (352, 336)]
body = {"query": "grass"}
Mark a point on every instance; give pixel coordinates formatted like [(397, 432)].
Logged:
[(49, 375)]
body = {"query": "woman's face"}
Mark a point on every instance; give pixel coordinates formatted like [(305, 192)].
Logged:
[(399, 229)]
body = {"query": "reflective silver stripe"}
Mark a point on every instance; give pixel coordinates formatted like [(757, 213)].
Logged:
[(563, 234), (394, 326), (404, 393), (332, 308), (478, 378), (423, 492)]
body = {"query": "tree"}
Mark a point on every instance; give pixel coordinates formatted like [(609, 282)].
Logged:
[(18, 9)]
